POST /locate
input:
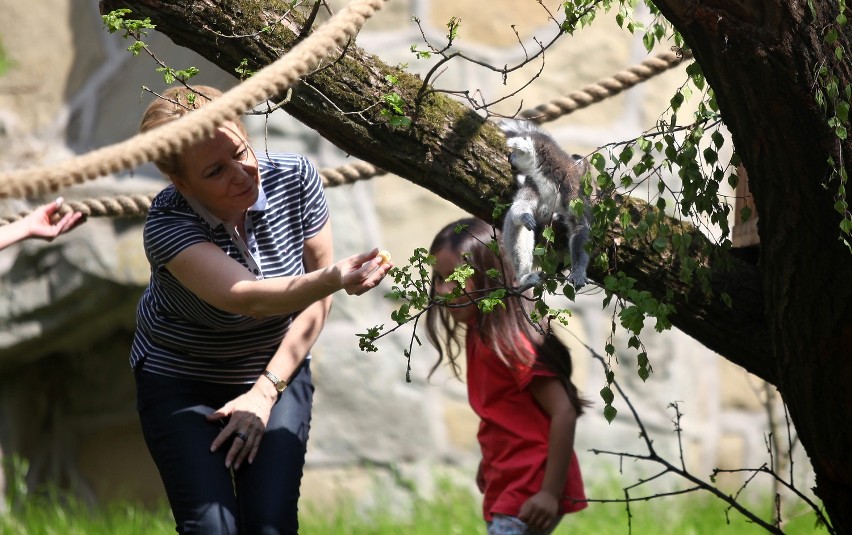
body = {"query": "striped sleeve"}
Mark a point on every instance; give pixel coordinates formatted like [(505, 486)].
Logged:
[(313, 200), (171, 227), (168, 232)]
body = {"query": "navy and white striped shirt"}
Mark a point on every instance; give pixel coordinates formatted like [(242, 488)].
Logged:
[(180, 335)]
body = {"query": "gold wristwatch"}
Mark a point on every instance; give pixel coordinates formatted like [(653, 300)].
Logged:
[(280, 385)]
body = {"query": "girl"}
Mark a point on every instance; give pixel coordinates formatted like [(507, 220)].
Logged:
[(519, 384)]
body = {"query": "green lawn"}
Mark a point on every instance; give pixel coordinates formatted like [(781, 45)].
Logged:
[(454, 511)]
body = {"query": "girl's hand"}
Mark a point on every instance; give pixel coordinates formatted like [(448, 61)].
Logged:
[(43, 222), (247, 417), (540, 510), (363, 272)]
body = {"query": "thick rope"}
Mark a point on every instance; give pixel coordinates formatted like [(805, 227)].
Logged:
[(356, 171), (349, 174), (173, 137), (605, 88), (116, 206)]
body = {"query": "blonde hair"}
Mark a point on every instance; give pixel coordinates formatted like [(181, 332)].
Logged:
[(172, 104)]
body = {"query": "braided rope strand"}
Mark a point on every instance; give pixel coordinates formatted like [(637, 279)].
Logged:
[(173, 137), (115, 206), (605, 88), (349, 174)]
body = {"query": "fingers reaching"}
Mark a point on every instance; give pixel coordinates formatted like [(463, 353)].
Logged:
[(44, 222), (366, 271)]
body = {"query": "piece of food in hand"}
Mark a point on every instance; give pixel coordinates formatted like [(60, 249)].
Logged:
[(385, 256)]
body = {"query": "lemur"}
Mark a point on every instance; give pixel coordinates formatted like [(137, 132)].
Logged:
[(548, 180)]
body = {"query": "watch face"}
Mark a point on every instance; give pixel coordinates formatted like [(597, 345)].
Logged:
[(281, 386)]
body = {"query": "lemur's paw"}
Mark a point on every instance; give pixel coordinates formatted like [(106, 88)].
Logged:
[(578, 279), (528, 281), (528, 220)]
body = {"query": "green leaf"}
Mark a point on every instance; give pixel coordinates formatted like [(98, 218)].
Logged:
[(461, 274), (831, 36), (842, 110), (609, 413), (598, 162), (677, 101), (398, 120), (633, 342), (607, 396)]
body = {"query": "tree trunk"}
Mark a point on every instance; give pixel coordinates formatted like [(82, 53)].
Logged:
[(761, 59), (790, 322)]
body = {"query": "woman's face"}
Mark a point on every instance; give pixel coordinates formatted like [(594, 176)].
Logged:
[(221, 173), (445, 262)]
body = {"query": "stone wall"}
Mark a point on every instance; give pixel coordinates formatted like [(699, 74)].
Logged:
[(66, 308)]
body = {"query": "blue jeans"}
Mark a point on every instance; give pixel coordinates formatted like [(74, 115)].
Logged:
[(512, 525), (261, 497)]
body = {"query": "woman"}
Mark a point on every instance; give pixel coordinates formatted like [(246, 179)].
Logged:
[(240, 249), (518, 383)]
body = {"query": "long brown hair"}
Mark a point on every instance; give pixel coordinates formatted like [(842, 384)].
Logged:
[(502, 330)]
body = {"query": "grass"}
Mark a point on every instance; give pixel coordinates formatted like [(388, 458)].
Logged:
[(453, 511)]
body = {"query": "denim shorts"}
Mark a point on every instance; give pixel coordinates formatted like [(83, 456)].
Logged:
[(512, 525)]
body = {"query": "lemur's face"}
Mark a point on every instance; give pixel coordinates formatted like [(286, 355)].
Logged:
[(522, 157)]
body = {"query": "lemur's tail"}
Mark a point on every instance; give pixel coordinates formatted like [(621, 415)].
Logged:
[(517, 127)]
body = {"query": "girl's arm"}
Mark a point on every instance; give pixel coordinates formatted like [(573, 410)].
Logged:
[(541, 509), (249, 410), (39, 224), (13, 232), (226, 284)]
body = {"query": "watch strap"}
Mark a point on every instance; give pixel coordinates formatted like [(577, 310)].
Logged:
[(280, 385)]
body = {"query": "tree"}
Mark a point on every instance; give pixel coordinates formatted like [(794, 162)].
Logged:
[(781, 79)]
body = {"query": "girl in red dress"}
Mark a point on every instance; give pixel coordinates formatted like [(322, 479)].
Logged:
[(518, 382)]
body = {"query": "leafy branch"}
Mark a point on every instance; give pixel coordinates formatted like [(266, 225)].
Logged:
[(136, 29), (835, 101)]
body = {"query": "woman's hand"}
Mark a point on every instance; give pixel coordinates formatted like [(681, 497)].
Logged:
[(247, 417), (540, 510), (362, 272)]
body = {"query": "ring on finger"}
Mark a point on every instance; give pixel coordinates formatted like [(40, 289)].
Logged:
[(241, 435)]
